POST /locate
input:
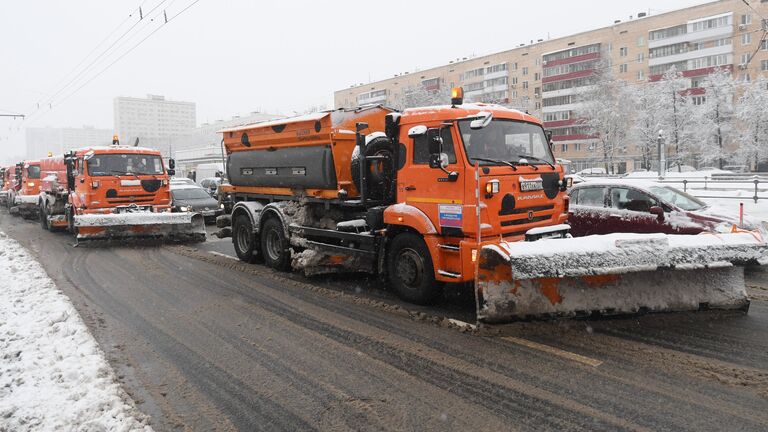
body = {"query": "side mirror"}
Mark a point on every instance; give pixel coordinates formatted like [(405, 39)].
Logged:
[(483, 119), (435, 142), (658, 211), (438, 160), (171, 163), (548, 134)]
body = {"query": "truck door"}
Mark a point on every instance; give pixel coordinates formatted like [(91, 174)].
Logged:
[(429, 189)]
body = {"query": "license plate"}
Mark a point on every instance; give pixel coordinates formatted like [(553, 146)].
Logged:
[(209, 213), (531, 185)]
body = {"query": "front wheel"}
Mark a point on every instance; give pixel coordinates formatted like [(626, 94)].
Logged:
[(274, 245), (43, 217), (244, 239), (410, 270)]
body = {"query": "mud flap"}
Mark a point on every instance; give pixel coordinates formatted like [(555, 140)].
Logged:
[(616, 274), (184, 226)]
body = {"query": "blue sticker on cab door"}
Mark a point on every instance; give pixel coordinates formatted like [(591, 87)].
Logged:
[(450, 215)]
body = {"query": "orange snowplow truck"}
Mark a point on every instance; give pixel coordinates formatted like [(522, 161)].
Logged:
[(23, 198), (457, 193), (8, 179), (113, 192)]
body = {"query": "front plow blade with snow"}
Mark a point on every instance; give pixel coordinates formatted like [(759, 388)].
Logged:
[(183, 227), (615, 274)]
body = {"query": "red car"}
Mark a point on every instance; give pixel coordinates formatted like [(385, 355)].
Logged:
[(610, 206)]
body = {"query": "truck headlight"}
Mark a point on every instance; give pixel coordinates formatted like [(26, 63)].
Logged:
[(31, 184), (184, 208)]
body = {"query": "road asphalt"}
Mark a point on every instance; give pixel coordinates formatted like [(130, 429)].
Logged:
[(202, 341)]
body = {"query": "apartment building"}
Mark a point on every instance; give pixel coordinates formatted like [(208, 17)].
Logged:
[(153, 120), (546, 77)]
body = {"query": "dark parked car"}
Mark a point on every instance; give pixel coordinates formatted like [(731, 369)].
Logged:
[(609, 206), (195, 199)]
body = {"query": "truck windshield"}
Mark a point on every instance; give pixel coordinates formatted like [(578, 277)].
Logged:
[(33, 171), (507, 141), (124, 164)]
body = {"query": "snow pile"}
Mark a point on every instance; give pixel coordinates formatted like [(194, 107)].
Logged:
[(53, 376), (623, 253)]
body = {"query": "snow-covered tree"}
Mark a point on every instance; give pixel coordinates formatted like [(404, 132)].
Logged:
[(676, 116), (751, 113), (418, 95), (647, 121), (607, 113), (714, 125)]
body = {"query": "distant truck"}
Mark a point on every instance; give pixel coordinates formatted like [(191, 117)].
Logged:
[(7, 183), (208, 170), (113, 192), (24, 197)]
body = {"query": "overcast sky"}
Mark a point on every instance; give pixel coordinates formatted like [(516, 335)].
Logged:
[(236, 56)]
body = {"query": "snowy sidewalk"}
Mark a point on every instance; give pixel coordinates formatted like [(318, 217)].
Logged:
[(53, 375)]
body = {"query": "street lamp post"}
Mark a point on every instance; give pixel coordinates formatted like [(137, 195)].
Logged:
[(662, 154)]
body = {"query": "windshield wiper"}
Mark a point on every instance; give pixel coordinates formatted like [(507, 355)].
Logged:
[(497, 161), (536, 159)]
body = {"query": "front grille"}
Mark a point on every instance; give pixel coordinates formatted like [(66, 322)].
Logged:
[(525, 221), (524, 210)]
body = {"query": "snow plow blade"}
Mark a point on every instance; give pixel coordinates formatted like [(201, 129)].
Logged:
[(185, 226), (615, 274)]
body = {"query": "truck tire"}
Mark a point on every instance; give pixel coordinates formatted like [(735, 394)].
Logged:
[(381, 173), (410, 270), (244, 240), (274, 245), (71, 222), (43, 217)]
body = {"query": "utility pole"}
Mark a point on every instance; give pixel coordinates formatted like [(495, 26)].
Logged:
[(662, 156)]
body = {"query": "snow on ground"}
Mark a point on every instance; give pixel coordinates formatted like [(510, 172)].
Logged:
[(53, 376)]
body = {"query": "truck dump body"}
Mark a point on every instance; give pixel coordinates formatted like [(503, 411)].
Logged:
[(309, 153)]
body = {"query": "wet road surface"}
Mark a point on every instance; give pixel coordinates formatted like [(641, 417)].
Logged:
[(204, 342)]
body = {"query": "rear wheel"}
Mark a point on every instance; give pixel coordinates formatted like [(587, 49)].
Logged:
[(274, 245), (244, 239), (410, 270)]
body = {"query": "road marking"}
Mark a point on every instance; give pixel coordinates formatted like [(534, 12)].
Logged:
[(221, 255), (556, 351)]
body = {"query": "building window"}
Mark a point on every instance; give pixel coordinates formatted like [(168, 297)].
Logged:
[(640, 75), (514, 80), (745, 78), (640, 41), (641, 57), (514, 66), (536, 76), (623, 68), (746, 38), (623, 52), (764, 65), (564, 148), (746, 19), (538, 61), (744, 59), (538, 105), (698, 100), (525, 70), (496, 68), (525, 85)]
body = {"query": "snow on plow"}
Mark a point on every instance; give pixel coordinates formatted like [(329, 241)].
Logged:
[(615, 274), (184, 226)]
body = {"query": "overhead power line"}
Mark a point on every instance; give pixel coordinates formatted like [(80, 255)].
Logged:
[(53, 102)]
